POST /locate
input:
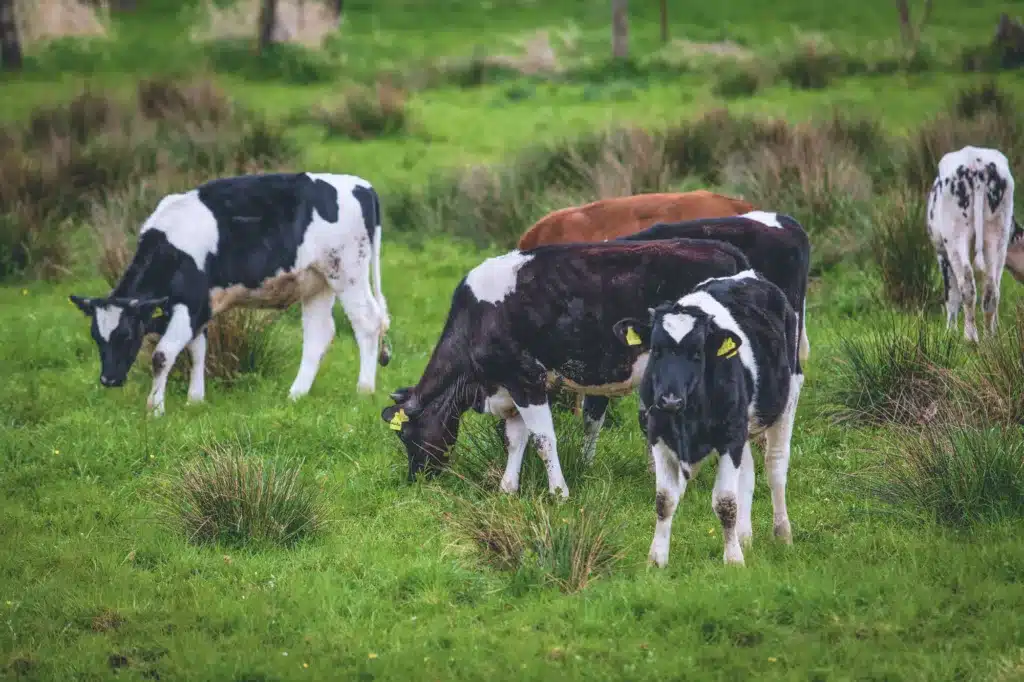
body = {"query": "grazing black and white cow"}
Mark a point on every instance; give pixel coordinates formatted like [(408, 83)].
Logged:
[(257, 241), (723, 367), (525, 321), (973, 196), (776, 246)]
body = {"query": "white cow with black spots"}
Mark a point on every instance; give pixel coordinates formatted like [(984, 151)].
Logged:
[(972, 197)]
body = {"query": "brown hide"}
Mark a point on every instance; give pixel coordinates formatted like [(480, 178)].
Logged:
[(619, 216)]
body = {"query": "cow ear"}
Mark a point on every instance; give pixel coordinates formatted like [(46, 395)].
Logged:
[(724, 344), (86, 305), (632, 332), (148, 307)]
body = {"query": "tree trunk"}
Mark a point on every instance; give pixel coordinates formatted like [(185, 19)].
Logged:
[(268, 19), (10, 44), (620, 29), (664, 21)]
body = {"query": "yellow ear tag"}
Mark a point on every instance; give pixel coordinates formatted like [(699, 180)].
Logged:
[(399, 419), (159, 312), (728, 348), (632, 338)]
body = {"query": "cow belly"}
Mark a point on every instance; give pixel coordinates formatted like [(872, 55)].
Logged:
[(613, 389), (279, 292)]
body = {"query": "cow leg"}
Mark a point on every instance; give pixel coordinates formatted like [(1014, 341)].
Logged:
[(366, 319), (317, 333), (197, 380), (963, 275), (670, 484), (540, 424), (725, 501), (744, 526), (595, 407), (950, 291), (997, 232), (178, 335), (517, 435), (805, 345), (776, 459)]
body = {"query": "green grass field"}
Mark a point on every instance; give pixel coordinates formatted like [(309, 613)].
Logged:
[(94, 584)]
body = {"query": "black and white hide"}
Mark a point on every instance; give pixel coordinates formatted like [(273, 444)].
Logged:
[(257, 241), (723, 368)]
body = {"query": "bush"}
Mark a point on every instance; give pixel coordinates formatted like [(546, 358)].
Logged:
[(813, 67), (538, 542), (994, 383), (904, 253), (898, 372), (229, 497), (365, 113), (956, 477), (741, 79), (96, 146)]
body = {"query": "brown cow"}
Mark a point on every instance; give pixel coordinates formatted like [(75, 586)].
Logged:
[(620, 216)]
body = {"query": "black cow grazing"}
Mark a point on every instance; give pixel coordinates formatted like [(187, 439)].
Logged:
[(724, 366), (524, 321), (256, 241), (776, 246)]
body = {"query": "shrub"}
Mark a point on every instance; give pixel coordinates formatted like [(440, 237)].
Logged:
[(53, 170), (813, 66), (954, 476), (898, 372), (739, 79), (538, 542), (904, 253), (285, 62), (365, 113), (229, 497), (994, 383), (988, 97)]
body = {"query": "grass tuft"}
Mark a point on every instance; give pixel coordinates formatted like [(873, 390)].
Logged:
[(956, 477), (232, 498), (366, 113), (904, 252), (899, 372)]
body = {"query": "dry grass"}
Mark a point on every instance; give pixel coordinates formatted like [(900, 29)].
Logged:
[(43, 20), (230, 497), (365, 113), (540, 541), (301, 22)]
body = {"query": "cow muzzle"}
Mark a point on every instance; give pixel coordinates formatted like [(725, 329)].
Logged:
[(111, 383)]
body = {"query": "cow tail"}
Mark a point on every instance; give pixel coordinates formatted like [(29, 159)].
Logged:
[(979, 219), (378, 237)]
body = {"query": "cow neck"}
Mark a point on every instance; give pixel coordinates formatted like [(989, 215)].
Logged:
[(140, 281)]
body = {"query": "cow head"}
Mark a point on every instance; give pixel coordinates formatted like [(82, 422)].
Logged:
[(683, 342), (1015, 252), (118, 327), (427, 432)]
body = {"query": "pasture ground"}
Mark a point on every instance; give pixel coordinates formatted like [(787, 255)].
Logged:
[(93, 586)]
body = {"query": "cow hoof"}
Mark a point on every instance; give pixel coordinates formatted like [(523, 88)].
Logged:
[(734, 559), (194, 399), (158, 410), (295, 395), (657, 557), (365, 389), (561, 493), (783, 533), (509, 487)]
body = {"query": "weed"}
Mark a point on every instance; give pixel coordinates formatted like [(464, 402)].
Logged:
[(954, 476), (904, 252), (898, 372), (365, 113), (229, 497), (739, 79)]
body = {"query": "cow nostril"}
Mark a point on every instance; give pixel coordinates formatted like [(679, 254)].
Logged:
[(670, 403)]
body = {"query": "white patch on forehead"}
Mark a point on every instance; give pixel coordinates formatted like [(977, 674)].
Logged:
[(188, 225), (724, 319), (677, 325), (764, 217), (495, 278), (745, 274), (107, 319)]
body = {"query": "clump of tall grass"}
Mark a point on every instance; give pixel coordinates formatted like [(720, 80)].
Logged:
[(736, 79), (898, 372), (904, 252), (364, 113), (230, 497), (954, 476), (97, 145), (541, 542), (993, 384)]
